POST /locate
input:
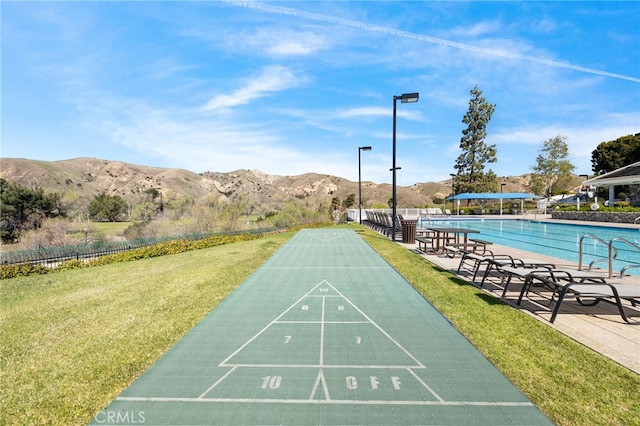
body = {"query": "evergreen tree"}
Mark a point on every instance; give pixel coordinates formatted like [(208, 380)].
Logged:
[(24, 208), (349, 202), (470, 165)]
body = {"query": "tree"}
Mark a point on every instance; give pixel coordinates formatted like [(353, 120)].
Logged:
[(335, 203), (24, 208), (107, 208), (350, 201), (552, 173), (470, 165), (612, 155)]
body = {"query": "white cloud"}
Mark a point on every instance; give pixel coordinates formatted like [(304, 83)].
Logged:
[(295, 44), (477, 30), (273, 78)]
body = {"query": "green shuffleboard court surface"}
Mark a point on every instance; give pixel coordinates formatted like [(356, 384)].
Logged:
[(324, 333)]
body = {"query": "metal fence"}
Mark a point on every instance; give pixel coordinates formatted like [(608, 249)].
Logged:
[(51, 256)]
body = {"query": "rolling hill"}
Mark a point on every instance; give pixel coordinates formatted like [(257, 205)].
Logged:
[(87, 177)]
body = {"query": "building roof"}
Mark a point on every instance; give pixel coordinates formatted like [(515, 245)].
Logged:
[(627, 175)]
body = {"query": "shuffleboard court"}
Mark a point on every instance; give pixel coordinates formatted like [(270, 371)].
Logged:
[(325, 332)]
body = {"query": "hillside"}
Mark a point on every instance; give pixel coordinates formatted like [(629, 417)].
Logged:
[(87, 177)]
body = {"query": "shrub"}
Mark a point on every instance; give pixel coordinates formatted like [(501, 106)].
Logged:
[(12, 271)]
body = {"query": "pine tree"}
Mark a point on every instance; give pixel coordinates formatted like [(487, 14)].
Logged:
[(470, 165)]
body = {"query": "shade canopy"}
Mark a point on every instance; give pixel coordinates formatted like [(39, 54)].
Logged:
[(492, 196)]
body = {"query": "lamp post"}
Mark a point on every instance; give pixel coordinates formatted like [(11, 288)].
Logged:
[(501, 186), (586, 196), (405, 98), (453, 189), (360, 149)]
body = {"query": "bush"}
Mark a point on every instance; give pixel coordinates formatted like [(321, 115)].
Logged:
[(12, 271)]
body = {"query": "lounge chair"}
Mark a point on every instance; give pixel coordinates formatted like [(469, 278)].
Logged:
[(499, 261), (582, 284), (478, 259), (523, 263)]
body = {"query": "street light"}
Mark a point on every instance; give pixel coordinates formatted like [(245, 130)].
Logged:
[(453, 189), (586, 196), (501, 186), (360, 149), (405, 98)]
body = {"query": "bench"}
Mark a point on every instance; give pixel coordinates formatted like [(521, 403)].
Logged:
[(472, 247), (480, 243), (423, 241)]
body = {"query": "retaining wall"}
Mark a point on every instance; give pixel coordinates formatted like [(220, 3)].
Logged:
[(591, 216)]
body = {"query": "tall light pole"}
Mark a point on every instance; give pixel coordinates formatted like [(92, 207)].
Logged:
[(453, 189), (586, 196), (501, 186), (360, 149), (405, 98)]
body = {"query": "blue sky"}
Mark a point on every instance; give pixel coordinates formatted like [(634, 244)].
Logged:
[(295, 87)]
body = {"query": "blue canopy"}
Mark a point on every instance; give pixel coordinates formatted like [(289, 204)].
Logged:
[(492, 196)]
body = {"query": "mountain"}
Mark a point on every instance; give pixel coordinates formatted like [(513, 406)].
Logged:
[(88, 177)]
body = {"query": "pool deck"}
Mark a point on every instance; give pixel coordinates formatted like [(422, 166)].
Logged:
[(600, 328)]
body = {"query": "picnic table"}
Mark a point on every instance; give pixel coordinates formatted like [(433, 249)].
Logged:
[(444, 236)]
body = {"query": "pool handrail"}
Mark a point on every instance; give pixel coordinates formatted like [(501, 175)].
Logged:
[(612, 252), (611, 248)]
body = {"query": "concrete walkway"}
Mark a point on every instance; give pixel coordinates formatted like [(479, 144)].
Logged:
[(600, 327)]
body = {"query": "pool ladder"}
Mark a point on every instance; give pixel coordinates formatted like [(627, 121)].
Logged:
[(612, 253)]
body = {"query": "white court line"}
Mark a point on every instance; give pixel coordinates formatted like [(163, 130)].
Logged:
[(325, 267), (224, 362), (322, 333), (216, 383), (320, 379), (330, 401), (330, 366), (427, 387), (420, 365), (323, 322)]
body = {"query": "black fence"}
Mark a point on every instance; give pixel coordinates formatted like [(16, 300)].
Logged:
[(51, 256)]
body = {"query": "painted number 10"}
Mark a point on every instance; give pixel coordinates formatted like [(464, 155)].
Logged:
[(271, 382)]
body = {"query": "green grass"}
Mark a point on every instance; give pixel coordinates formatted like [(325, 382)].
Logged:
[(72, 341), (572, 384), (111, 229)]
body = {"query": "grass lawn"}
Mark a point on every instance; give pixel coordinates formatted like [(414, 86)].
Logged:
[(111, 229), (72, 341)]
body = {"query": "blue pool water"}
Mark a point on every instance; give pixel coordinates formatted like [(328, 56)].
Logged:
[(554, 239)]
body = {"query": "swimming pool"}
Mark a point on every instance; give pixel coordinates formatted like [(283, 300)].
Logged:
[(554, 239)]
